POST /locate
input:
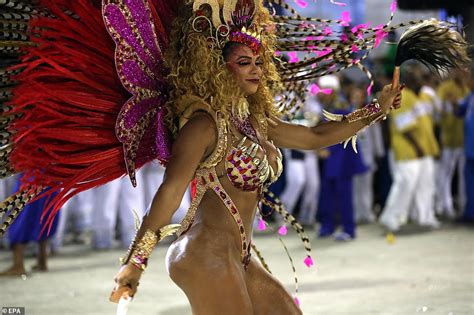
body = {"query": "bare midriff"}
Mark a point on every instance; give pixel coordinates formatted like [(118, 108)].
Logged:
[(212, 214)]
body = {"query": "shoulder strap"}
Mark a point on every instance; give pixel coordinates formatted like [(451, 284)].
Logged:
[(190, 105), (220, 149), (193, 104)]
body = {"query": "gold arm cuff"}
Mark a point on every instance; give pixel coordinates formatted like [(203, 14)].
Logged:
[(140, 250), (368, 121), (147, 243), (368, 111)]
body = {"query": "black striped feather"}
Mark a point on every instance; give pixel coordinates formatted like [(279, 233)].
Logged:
[(14, 205), (435, 44)]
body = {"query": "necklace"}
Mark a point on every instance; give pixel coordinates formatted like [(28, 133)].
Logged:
[(245, 127)]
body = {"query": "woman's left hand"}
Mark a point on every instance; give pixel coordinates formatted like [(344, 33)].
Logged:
[(390, 99)]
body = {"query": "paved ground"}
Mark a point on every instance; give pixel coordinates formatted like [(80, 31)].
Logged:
[(428, 272)]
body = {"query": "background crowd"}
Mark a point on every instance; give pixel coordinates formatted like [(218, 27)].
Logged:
[(413, 166), (417, 165)]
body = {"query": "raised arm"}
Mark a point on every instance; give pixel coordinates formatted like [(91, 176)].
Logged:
[(195, 141), (287, 135)]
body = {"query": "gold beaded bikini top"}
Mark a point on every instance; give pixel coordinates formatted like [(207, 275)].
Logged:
[(248, 172)]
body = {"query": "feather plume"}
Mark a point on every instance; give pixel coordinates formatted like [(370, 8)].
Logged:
[(435, 44)]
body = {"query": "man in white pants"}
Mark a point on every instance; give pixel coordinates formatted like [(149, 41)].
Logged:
[(370, 143), (302, 179), (77, 213), (414, 146), (114, 201), (371, 147), (452, 156), (153, 174), (302, 170), (117, 199)]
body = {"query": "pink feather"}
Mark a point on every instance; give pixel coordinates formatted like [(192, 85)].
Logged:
[(327, 31), (297, 301), (379, 35), (301, 3), (393, 6), (261, 225), (293, 56), (282, 230), (369, 89), (315, 89), (346, 18), (308, 261)]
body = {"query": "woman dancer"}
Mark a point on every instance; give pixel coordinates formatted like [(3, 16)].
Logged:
[(228, 137), (219, 91)]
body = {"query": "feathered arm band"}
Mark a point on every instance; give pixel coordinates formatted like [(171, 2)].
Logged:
[(369, 114)]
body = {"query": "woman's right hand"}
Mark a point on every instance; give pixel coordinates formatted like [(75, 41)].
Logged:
[(126, 282), (390, 98)]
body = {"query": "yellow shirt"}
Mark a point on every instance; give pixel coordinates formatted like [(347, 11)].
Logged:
[(452, 127), (414, 117), (430, 95)]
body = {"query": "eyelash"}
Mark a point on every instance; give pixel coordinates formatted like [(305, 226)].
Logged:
[(248, 63)]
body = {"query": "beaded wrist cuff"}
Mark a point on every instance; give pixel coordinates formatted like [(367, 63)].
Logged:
[(369, 113), (140, 250), (369, 121), (365, 112)]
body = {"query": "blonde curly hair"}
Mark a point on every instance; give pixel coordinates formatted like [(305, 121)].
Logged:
[(198, 69)]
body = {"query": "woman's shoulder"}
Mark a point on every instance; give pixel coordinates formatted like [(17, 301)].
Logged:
[(199, 118), (191, 107)]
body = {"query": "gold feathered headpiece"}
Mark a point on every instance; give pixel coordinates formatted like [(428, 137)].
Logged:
[(227, 21)]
